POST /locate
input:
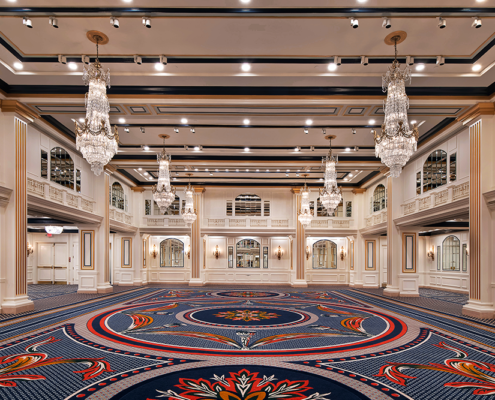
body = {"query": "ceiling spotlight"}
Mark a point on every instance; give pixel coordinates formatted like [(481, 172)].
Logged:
[(410, 60), (364, 60), (354, 22), (356, 148), (226, 170), (476, 67), (246, 67), (72, 66), (332, 67), (159, 66), (27, 21), (126, 130), (192, 130), (278, 170), (345, 179), (371, 122), (53, 22), (347, 149), (196, 148), (176, 130), (114, 22), (200, 148), (297, 175), (121, 121), (286, 174), (142, 129), (245, 1), (323, 131), (140, 169), (420, 67), (362, 1), (206, 169), (288, 170), (18, 65), (183, 121), (211, 173), (246, 148), (337, 60), (306, 131), (146, 22), (440, 60), (353, 130), (146, 173), (267, 170), (62, 59), (387, 23), (246, 122), (476, 22), (321, 179), (85, 59), (146, 148), (442, 23), (309, 122), (414, 122), (247, 170), (236, 170), (138, 60)]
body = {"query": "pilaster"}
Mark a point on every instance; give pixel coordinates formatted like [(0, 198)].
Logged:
[(300, 278), (197, 241)]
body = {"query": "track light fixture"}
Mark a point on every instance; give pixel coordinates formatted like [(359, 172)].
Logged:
[(163, 60), (142, 129), (312, 148), (440, 60), (27, 21), (85, 59), (354, 22), (53, 22), (62, 59), (138, 60), (353, 130), (323, 131), (364, 60), (410, 60), (442, 23), (192, 130), (176, 130), (147, 22), (477, 23), (306, 131), (387, 23), (337, 60), (115, 22), (356, 148), (126, 130)]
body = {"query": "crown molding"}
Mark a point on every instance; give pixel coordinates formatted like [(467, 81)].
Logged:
[(138, 189), (358, 191), (477, 111), (20, 109)]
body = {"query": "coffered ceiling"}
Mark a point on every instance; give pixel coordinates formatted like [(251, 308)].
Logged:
[(288, 44)]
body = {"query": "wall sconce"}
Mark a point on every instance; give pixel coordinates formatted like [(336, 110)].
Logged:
[(154, 252), (342, 253), (279, 252), (431, 254), (308, 252), (188, 251), (30, 249), (216, 252)]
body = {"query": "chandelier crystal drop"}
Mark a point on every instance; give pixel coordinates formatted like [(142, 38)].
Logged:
[(330, 195), (163, 192), (305, 216), (397, 142), (95, 138), (188, 212)]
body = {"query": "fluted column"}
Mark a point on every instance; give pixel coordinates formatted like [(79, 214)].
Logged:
[(300, 279), (394, 241), (197, 241)]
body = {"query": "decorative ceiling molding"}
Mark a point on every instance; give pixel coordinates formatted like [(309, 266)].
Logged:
[(477, 111), (19, 108)]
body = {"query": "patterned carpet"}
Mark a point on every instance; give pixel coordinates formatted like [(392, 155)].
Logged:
[(155, 343)]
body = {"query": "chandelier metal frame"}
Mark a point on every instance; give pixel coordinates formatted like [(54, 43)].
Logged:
[(163, 192), (330, 194), (189, 212), (304, 215)]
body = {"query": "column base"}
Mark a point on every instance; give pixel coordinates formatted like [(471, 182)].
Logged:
[(391, 291), (105, 288), (356, 285), (196, 282), (87, 282), (409, 285), (17, 305), (477, 309), (138, 282), (299, 283)]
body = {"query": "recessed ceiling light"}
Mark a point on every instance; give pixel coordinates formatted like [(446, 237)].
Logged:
[(420, 67), (81, 120), (195, 169), (159, 66), (362, 1), (18, 65), (227, 170), (247, 170), (345, 179), (309, 122), (350, 175), (245, 1), (121, 120), (197, 149), (246, 122), (146, 174), (146, 148), (332, 67), (246, 67), (347, 149), (246, 148), (236, 170), (321, 179), (371, 122), (127, 1), (183, 121), (476, 67), (297, 149), (140, 169), (278, 170), (72, 65), (267, 170), (206, 169)]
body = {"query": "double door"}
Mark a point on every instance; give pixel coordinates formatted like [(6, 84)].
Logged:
[(52, 263)]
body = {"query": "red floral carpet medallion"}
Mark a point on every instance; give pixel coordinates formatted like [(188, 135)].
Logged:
[(246, 315)]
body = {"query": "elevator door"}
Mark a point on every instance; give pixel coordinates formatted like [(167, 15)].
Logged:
[(52, 263)]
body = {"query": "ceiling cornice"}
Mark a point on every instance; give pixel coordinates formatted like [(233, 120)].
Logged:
[(477, 111), (19, 108)]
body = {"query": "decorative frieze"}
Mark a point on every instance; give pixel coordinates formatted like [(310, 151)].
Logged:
[(119, 216), (384, 217), (216, 222), (322, 223), (377, 219), (236, 222), (425, 203), (369, 221), (441, 197), (87, 205), (258, 222), (128, 219), (111, 214), (280, 223), (72, 200), (155, 222), (176, 222), (409, 208), (35, 187), (56, 194), (461, 191), (340, 224)]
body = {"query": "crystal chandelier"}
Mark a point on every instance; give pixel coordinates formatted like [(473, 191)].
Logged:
[(163, 192), (188, 212), (305, 216), (330, 195), (397, 142), (96, 139)]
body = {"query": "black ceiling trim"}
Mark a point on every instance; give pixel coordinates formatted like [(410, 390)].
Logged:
[(368, 177), (147, 125), (442, 232), (47, 221), (448, 224), (249, 90), (191, 148), (129, 176), (260, 177), (248, 157), (201, 182), (437, 128), (53, 121), (32, 230)]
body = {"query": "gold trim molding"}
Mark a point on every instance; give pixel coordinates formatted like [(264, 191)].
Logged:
[(477, 111), (19, 108)]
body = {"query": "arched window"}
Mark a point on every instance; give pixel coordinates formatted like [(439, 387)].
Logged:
[(171, 253), (61, 167), (451, 249), (118, 196), (324, 255), (435, 170), (248, 204), (379, 198), (248, 254)]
